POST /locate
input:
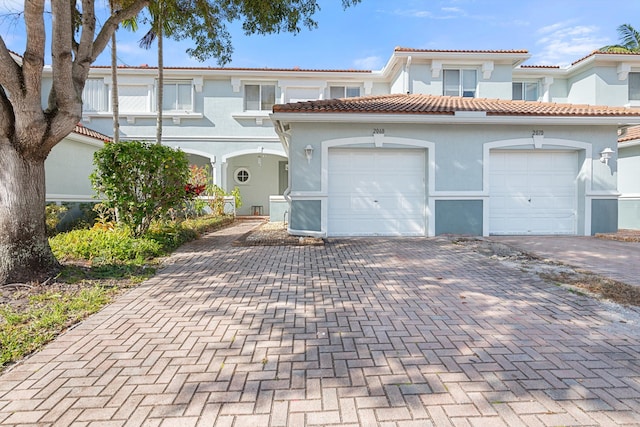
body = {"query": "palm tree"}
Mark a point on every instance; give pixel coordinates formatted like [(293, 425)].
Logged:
[(159, 27), (629, 39), (132, 25)]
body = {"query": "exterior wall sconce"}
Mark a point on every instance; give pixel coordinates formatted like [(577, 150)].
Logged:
[(308, 153), (260, 150), (605, 155)]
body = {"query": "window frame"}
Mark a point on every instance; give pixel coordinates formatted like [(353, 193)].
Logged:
[(345, 91), (177, 83), (461, 81), (91, 84), (524, 91), (262, 104), (239, 170), (636, 76)]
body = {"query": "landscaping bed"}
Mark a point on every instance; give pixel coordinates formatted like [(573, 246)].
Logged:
[(275, 234), (621, 235), (97, 265)]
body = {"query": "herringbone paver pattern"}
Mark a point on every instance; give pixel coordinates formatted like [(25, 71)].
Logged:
[(609, 258), (360, 332)]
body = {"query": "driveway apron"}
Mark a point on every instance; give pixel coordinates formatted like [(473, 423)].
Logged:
[(369, 332), (613, 259)]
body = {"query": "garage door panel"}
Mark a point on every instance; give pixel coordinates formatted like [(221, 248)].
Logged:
[(533, 192), (376, 192)]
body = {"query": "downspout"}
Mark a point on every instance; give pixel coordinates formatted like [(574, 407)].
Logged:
[(285, 136), (407, 76)]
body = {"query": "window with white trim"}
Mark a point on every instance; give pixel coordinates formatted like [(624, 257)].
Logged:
[(524, 91), (259, 97), (134, 98), (460, 83), (95, 96), (177, 96), (241, 176), (634, 86), (344, 92)]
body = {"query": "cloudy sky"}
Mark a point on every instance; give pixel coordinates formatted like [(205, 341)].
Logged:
[(555, 32)]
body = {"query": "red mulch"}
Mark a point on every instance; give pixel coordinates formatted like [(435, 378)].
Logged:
[(621, 235)]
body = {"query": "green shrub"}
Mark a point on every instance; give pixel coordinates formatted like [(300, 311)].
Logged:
[(54, 214), (102, 245), (105, 246), (141, 181)]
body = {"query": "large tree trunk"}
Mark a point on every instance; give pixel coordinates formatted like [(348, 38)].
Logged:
[(25, 253)]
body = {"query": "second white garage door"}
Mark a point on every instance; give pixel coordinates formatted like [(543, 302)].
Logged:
[(533, 192), (376, 192)]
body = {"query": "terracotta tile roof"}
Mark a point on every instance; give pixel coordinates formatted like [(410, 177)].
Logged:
[(295, 69), (407, 49), (541, 66), (448, 105), (632, 133), (600, 52), (81, 130)]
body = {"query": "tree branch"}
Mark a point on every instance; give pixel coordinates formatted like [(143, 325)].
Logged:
[(9, 69), (112, 23)]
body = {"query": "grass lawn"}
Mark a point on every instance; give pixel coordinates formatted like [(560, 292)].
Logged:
[(98, 265)]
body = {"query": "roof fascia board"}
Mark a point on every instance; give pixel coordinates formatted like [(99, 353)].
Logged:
[(498, 57), (604, 59), (632, 143), (266, 73), (451, 119), (85, 139)]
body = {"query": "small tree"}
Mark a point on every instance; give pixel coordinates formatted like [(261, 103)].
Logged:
[(140, 181)]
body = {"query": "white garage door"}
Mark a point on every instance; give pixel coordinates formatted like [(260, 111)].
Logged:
[(533, 192), (376, 192)]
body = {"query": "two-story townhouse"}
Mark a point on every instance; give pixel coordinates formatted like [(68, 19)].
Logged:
[(600, 78), (466, 150), (455, 153), (220, 117)]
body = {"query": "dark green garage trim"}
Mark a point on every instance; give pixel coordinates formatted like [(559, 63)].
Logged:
[(604, 216), (305, 215), (458, 217)]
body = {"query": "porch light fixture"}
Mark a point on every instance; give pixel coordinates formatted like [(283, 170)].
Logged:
[(260, 150), (308, 153), (605, 155)]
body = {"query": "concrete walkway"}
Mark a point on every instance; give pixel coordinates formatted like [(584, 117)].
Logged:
[(615, 260), (368, 332)]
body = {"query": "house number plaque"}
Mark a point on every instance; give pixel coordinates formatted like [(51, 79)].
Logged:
[(537, 132)]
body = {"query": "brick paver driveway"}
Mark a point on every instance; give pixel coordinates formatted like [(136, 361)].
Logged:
[(389, 332), (609, 258)]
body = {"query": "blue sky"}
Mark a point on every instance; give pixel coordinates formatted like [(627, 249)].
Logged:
[(555, 32)]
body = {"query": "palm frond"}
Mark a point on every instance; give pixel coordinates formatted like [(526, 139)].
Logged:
[(147, 40), (629, 37)]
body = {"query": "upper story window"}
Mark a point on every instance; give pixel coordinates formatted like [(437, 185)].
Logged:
[(525, 91), (460, 83), (259, 97), (177, 96), (94, 96), (634, 86), (134, 98), (344, 92)]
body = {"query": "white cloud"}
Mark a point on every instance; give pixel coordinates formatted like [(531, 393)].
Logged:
[(445, 13), (11, 6), (453, 10), (369, 63), (562, 43)]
